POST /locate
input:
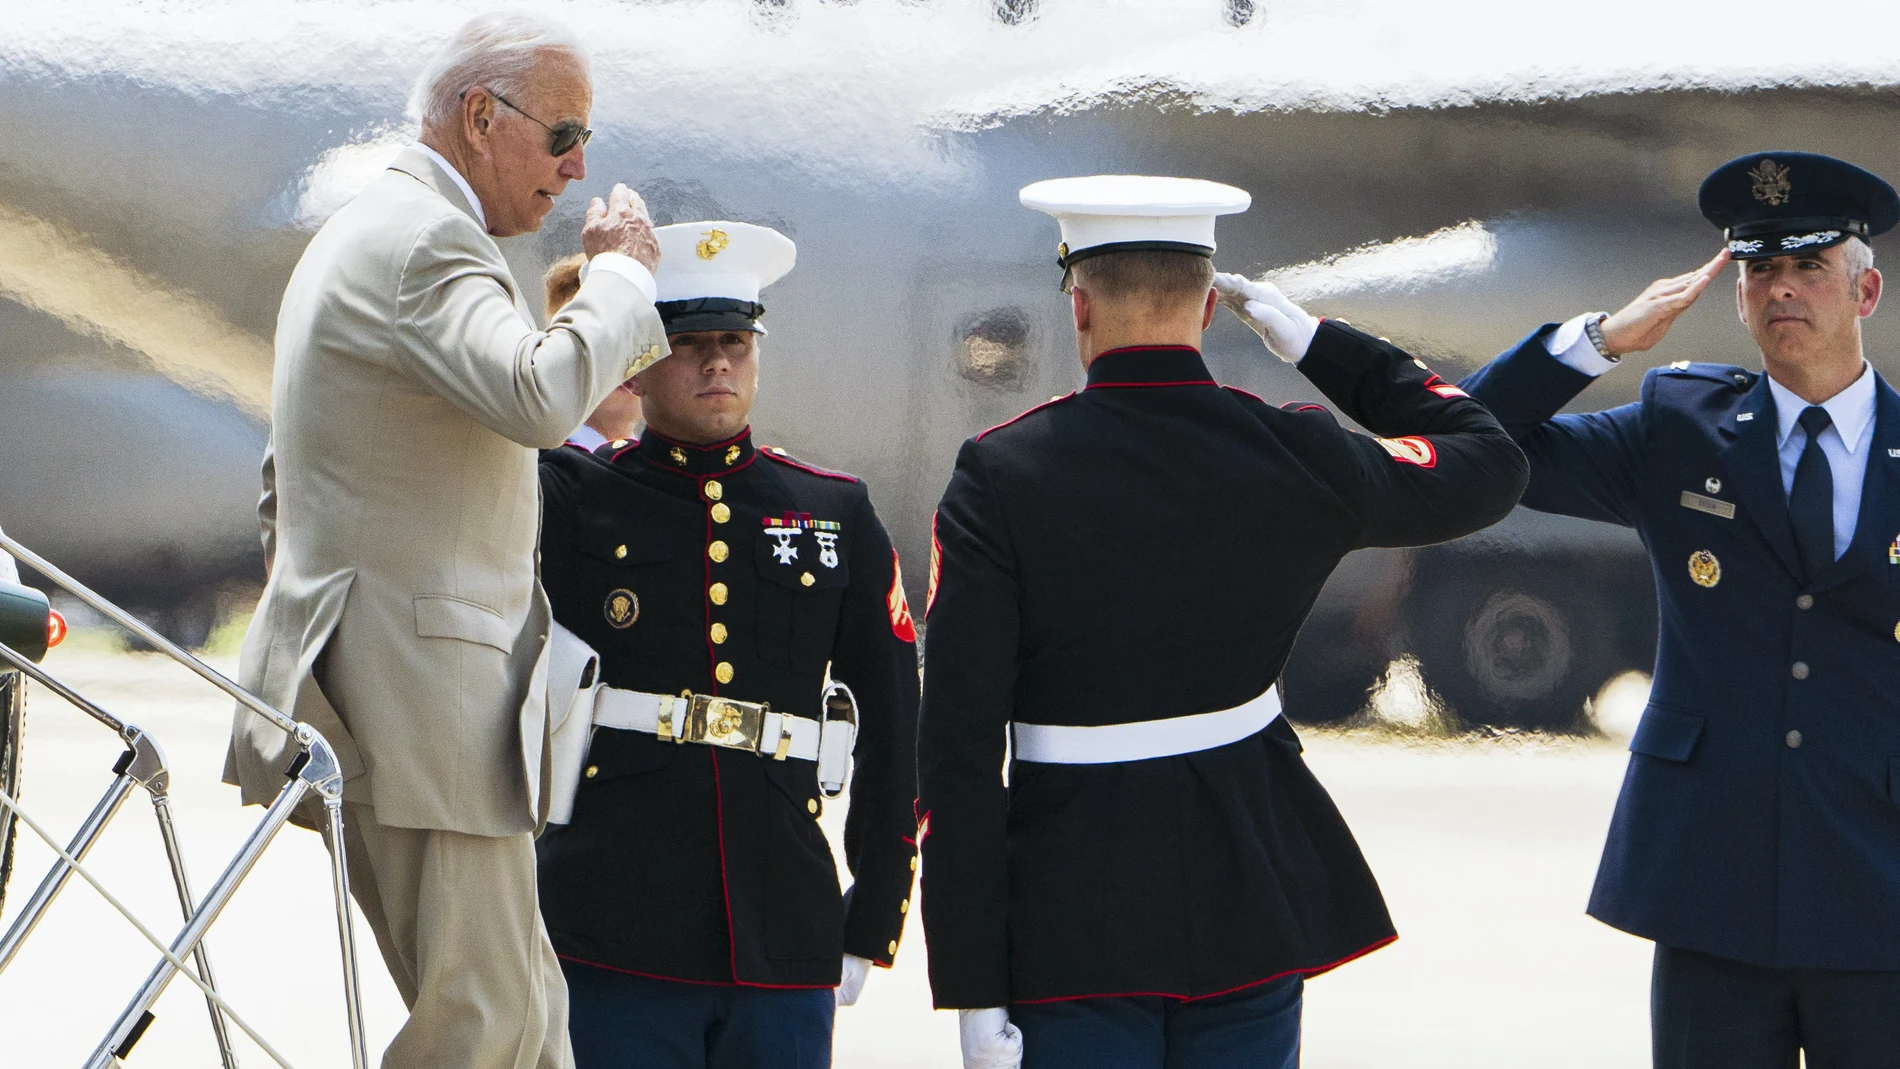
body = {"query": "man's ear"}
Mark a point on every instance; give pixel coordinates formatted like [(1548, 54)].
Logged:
[(478, 119), (1208, 307), (1871, 283), (1079, 301)]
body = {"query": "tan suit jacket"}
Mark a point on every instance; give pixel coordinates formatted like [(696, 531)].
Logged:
[(404, 617)]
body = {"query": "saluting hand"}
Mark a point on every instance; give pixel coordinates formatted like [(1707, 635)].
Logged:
[(622, 225), (1642, 323), (1286, 327)]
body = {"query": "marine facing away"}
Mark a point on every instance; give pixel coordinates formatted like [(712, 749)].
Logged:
[(1120, 576), (692, 896), (1757, 835)]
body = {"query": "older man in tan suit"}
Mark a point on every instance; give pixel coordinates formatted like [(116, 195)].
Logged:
[(404, 617)]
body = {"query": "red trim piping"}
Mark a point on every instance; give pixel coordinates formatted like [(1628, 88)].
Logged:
[(700, 983), (1129, 385), (802, 466), (1313, 971), (1245, 393), (1296, 406), (1024, 415)]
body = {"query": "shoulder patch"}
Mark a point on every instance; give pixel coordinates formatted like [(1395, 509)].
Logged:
[(1410, 450), (775, 453), (1050, 403)]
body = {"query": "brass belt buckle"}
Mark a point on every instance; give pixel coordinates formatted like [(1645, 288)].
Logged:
[(723, 722)]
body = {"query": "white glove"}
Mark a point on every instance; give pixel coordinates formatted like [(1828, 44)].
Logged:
[(989, 1040), (1285, 326), (855, 970)]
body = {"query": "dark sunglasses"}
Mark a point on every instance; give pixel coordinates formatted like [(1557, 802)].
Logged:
[(566, 135)]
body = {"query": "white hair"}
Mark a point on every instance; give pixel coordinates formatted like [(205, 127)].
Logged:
[(1859, 257), (496, 51)]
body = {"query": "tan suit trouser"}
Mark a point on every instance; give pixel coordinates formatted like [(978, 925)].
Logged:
[(460, 928)]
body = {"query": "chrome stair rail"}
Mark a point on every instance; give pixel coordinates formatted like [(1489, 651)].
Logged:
[(314, 768)]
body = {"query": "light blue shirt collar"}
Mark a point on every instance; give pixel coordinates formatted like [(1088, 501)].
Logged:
[(1851, 410), (475, 202)]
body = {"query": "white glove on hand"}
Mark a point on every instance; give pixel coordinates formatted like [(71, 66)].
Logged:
[(855, 970), (1285, 326), (989, 1040)]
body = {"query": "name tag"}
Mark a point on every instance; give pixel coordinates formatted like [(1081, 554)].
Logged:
[(1709, 505)]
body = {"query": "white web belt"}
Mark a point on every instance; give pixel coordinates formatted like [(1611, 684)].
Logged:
[(732, 725), (1057, 744)]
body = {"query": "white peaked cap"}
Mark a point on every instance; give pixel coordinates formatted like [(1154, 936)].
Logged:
[(1121, 212), (720, 259)]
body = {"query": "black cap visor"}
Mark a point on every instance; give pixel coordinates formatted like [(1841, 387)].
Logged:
[(1764, 238), (710, 313)]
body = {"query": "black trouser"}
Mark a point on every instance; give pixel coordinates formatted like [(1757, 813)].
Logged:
[(1707, 1012)]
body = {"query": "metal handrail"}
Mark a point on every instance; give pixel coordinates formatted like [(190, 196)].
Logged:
[(314, 769)]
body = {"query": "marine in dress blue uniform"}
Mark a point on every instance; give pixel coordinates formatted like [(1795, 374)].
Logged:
[(1119, 578), (1757, 836), (692, 896)]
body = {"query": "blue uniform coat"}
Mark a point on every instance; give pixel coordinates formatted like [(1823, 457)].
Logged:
[(1760, 815)]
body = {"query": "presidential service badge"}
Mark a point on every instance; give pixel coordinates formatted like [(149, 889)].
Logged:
[(622, 609), (1771, 183), (1704, 569)]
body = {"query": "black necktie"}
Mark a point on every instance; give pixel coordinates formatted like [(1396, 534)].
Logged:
[(1811, 504)]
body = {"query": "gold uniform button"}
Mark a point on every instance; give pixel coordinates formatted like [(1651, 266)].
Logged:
[(893, 946), (718, 633), (718, 552), (723, 673), (811, 805), (720, 513), (807, 579), (717, 592), (592, 771), (713, 490), (904, 906), (620, 552), (913, 864)]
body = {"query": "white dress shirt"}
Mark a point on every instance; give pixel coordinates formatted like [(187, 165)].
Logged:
[(625, 266), (1844, 442), (587, 438), (461, 183)]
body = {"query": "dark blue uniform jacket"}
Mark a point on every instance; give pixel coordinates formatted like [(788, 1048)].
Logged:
[(1760, 815)]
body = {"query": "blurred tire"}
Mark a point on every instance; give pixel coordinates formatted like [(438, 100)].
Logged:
[(1329, 674), (1517, 644)]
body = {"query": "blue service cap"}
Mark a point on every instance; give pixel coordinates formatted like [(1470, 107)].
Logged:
[(1779, 203)]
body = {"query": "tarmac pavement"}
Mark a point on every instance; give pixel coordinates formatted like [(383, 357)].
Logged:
[(1485, 849)]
